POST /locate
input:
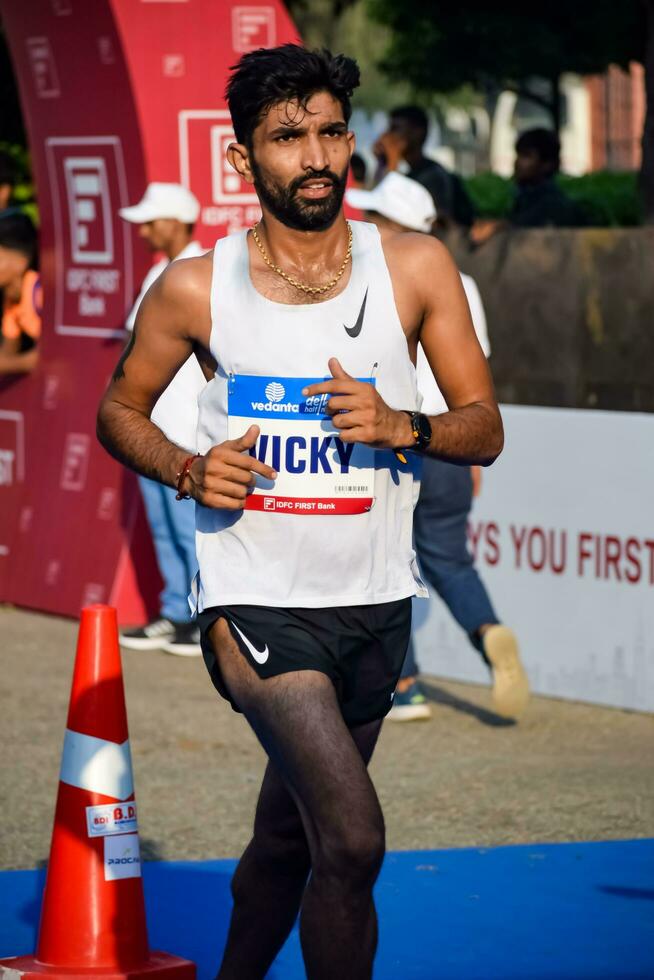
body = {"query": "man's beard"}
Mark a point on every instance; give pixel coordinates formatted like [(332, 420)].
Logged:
[(294, 211)]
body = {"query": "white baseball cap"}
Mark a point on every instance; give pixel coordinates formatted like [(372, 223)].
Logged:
[(399, 198), (163, 201)]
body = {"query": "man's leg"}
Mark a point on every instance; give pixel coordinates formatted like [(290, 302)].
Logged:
[(268, 883), (440, 535), (317, 765), (440, 528), (272, 874), (410, 703), (171, 559), (173, 607), (180, 519)]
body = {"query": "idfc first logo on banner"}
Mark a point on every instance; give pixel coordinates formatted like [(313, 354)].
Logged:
[(228, 202), (93, 286)]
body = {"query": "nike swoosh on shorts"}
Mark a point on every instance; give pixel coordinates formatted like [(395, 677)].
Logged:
[(259, 655), (356, 329)]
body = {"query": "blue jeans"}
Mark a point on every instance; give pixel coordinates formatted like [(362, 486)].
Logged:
[(172, 523), (440, 533)]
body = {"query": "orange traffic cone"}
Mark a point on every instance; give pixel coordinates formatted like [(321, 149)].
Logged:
[(93, 916)]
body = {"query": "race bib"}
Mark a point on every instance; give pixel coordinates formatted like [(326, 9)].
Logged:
[(318, 473)]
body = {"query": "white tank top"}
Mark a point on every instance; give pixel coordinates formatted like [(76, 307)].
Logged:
[(335, 527)]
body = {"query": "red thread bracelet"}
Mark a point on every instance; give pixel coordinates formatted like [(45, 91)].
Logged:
[(183, 473)]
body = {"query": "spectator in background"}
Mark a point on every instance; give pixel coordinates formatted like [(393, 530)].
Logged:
[(358, 170), (440, 521), (166, 217), (539, 201), (22, 299), (401, 148)]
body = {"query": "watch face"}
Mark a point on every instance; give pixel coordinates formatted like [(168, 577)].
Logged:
[(423, 428)]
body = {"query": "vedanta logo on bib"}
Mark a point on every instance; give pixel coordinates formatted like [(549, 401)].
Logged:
[(274, 407), (275, 392)]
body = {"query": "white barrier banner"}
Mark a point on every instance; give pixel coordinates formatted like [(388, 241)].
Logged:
[(563, 534)]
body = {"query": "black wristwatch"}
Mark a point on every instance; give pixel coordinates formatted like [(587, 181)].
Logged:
[(421, 428)]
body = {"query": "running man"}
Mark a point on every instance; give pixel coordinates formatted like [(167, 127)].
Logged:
[(307, 330)]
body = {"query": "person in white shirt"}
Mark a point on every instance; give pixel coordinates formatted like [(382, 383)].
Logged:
[(166, 217), (399, 203)]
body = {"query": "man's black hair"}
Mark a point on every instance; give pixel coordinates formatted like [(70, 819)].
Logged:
[(287, 73), (543, 142), (413, 114), (7, 169), (18, 234)]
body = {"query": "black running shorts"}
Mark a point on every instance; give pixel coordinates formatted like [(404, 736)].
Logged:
[(361, 648)]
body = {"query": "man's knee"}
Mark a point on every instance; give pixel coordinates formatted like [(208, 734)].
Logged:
[(354, 854), (282, 848)]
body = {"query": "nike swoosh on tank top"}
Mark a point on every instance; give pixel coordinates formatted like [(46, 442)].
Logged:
[(335, 528)]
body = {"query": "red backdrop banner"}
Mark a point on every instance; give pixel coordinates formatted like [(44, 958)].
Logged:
[(115, 93)]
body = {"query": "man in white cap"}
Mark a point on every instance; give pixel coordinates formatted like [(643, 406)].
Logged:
[(399, 204), (166, 216)]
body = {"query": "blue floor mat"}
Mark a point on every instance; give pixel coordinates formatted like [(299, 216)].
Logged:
[(528, 912)]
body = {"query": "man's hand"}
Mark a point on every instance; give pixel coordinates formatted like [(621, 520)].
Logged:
[(359, 412), (223, 478), (483, 229)]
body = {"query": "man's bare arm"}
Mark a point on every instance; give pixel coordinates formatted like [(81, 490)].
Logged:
[(159, 345), (471, 431), (162, 340), (470, 436)]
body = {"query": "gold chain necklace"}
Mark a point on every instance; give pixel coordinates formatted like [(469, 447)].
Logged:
[(295, 282)]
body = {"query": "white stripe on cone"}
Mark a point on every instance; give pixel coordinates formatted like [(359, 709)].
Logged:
[(97, 765)]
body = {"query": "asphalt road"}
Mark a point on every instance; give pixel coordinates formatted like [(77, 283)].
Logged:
[(566, 772)]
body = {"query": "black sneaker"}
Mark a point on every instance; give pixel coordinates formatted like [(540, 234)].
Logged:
[(148, 637), (185, 642)]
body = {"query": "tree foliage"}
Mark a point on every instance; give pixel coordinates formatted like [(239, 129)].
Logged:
[(344, 26), (439, 46)]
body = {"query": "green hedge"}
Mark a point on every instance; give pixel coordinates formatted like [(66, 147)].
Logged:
[(24, 194), (609, 198)]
